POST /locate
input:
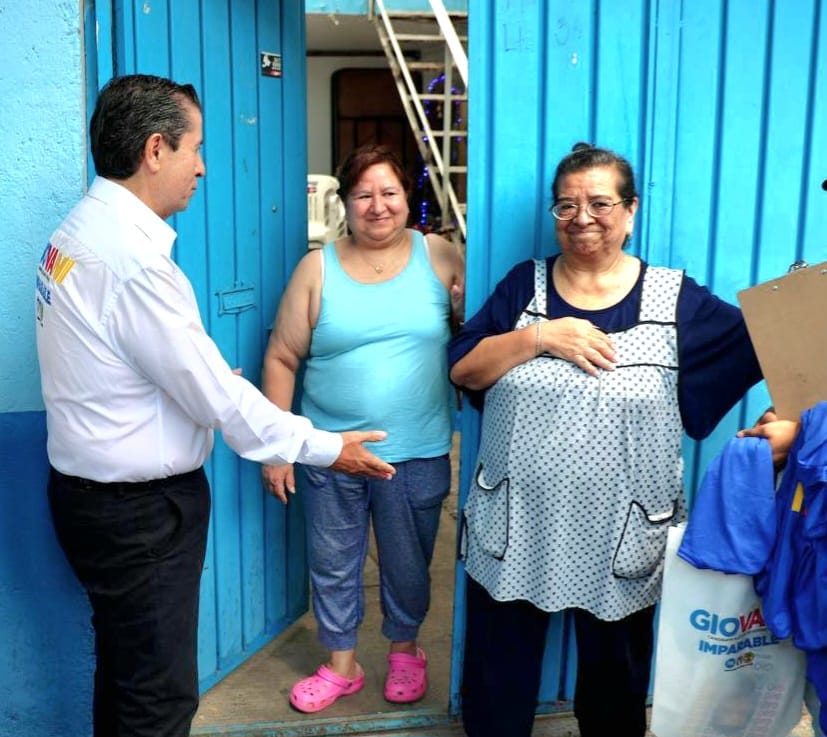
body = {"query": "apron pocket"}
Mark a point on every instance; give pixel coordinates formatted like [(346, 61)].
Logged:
[(643, 542), (486, 514)]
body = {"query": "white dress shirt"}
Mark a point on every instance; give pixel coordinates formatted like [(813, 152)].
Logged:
[(133, 385)]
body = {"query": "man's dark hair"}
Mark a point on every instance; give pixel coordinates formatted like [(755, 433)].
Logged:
[(586, 156), (128, 111)]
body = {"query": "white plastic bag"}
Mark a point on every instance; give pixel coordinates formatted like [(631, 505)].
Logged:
[(719, 672)]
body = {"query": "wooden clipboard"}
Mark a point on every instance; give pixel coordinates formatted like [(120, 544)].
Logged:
[(787, 323)]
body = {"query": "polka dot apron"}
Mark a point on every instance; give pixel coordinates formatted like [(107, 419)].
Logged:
[(578, 478)]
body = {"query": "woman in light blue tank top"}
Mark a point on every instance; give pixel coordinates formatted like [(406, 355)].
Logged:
[(369, 316)]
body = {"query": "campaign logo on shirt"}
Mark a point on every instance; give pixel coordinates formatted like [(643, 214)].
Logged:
[(55, 265), (52, 270)]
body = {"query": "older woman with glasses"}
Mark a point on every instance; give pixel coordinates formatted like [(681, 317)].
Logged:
[(590, 365)]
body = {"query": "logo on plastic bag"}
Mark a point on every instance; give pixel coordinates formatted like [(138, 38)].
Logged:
[(731, 635)]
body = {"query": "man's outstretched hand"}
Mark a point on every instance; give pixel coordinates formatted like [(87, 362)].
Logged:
[(357, 460)]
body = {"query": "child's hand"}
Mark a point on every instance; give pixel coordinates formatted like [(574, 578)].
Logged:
[(768, 416), (780, 433)]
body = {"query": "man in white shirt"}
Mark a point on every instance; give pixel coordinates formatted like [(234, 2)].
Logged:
[(133, 387)]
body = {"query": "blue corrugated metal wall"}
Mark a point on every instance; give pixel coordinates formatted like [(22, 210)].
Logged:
[(238, 242), (720, 105)]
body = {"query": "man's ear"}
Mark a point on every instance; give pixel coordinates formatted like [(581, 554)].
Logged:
[(152, 151)]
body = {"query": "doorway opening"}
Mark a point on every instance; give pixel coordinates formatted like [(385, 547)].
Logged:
[(257, 692), (352, 99)]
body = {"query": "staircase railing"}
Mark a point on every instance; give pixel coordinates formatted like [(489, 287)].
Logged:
[(436, 158)]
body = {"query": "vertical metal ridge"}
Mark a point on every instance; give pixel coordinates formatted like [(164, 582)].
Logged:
[(716, 163), (809, 125), (761, 189), (593, 101)]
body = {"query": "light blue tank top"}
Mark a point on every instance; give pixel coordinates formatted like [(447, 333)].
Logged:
[(378, 358)]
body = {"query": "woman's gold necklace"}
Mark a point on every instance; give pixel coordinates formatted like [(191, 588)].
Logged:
[(378, 268)]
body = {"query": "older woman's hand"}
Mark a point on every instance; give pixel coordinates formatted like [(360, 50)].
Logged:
[(577, 341), (279, 480)]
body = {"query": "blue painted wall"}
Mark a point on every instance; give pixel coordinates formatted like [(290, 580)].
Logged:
[(44, 621)]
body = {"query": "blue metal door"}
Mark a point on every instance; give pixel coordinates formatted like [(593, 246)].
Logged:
[(238, 242)]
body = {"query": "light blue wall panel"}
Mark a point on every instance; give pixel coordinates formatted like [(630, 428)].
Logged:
[(44, 620), (247, 350), (720, 107), (737, 185), (41, 169), (787, 157), (225, 119), (242, 234), (620, 65), (47, 666), (516, 38), (812, 243), (292, 129), (696, 148)]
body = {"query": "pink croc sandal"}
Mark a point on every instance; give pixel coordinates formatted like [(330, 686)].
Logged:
[(406, 681), (323, 688)]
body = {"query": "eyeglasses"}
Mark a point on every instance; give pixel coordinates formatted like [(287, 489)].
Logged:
[(596, 208)]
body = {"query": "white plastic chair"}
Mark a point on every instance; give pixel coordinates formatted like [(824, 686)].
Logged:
[(325, 210)]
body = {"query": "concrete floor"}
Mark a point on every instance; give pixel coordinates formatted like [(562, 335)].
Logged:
[(253, 700)]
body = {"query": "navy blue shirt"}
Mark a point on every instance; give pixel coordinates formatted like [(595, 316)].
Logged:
[(717, 363)]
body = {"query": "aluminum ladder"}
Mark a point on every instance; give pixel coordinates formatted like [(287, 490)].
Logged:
[(431, 46)]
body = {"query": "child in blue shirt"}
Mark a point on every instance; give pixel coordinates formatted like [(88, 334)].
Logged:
[(781, 435)]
